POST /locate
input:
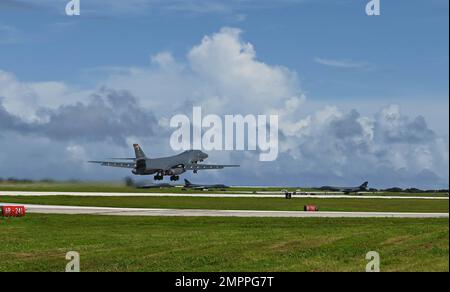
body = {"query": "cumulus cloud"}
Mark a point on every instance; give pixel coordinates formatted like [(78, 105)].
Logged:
[(395, 128), (232, 72), (24, 99), (387, 149), (9, 121), (223, 74), (108, 116), (16, 95)]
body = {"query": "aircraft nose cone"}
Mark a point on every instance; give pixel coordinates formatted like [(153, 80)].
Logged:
[(204, 155)]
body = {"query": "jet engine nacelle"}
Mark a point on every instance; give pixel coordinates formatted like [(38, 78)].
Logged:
[(177, 171), (141, 166)]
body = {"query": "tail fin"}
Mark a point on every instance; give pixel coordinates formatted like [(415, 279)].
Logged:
[(138, 150), (364, 185), (187, 183)]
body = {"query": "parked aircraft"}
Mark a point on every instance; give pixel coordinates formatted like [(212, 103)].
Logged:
[(347, 190), (189, 185)]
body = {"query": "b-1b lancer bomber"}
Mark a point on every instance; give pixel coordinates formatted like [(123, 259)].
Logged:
[(189, 185), (172, 166), (347, 190)]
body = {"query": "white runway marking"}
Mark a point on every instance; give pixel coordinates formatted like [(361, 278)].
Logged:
[(73, 210), (212, 195)]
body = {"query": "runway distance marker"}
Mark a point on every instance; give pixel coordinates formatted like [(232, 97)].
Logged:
[(12, 211)]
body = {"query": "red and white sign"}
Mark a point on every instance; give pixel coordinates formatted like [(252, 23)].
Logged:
[(13, 211), (311, 208)]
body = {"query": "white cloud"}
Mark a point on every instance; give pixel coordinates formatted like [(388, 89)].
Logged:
[(230, 70), (387, 149), (344, 64), (25, 99), (223, 75), (18, 98), (77, 153)]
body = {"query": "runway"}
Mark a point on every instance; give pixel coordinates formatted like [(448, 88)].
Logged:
[(212, 195), (73, 210)]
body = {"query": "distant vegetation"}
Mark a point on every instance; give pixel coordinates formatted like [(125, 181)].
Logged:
[(13, 180), (413, 190)]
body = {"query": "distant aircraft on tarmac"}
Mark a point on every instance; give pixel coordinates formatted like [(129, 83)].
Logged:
[(347, 190), (155, 186), (189, 185), (171, 166)]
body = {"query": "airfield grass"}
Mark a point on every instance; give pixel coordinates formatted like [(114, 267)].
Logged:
[(275, 204), (40, 243), (111, 187)]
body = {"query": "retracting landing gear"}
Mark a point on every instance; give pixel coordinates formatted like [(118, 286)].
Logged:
[(174, 178)]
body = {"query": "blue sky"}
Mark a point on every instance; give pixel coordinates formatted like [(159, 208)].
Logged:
[(339, 55), (406, 48)]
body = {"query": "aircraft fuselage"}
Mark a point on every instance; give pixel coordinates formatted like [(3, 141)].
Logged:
[(173, 165)]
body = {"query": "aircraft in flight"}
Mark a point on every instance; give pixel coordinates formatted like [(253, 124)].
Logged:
[(347, 190), (189, 185), (172, 166)]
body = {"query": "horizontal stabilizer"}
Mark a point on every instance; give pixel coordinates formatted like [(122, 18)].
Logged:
[(207, 166), (115, 164)]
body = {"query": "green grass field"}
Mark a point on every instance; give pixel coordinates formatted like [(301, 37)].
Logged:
[(40, 242), (350, 205)]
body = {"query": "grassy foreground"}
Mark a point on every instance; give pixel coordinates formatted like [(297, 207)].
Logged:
[(275, 204), (40, 242)]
